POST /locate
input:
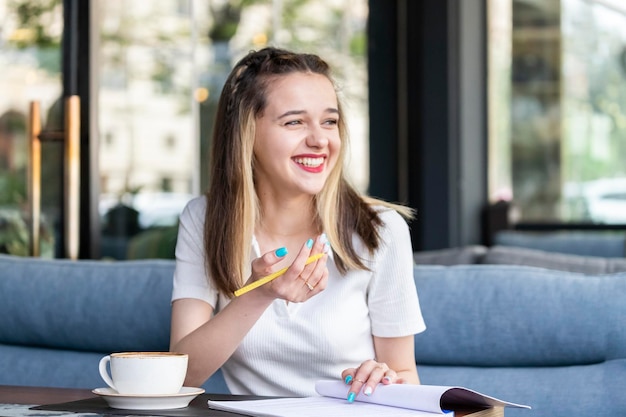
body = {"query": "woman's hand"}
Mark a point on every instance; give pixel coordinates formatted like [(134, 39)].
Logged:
[(301, 281), (367, 376)]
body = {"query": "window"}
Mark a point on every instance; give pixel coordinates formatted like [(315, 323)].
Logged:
[(557, 108)]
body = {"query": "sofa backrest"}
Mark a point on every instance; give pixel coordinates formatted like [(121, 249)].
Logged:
[(500, 315), (79, 305), (462, 255), (602, 244), (591, 265)]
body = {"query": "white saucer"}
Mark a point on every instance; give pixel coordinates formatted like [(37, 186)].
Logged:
[(148, 402)]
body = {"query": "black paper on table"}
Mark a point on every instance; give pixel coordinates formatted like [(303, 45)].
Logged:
[(197, 407)]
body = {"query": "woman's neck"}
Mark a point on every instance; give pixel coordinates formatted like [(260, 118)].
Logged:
[(287, 223)]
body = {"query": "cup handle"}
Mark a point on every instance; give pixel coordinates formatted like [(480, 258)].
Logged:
[(104, 373)]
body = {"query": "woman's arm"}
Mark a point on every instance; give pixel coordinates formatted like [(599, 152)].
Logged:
[(210, 340), (399, 354)]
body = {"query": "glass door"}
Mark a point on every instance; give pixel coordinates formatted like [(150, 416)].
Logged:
[(31, 72), (147, 106)]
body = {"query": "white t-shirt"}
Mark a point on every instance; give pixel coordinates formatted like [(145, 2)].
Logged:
[(293, 345)]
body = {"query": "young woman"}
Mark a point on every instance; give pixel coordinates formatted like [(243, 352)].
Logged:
[(277, 196)]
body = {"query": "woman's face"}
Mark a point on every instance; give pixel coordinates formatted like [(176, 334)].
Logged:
[(297, 139)]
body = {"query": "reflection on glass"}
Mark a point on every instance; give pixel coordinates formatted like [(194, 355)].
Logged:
[(162, 66), (594, 110), (557, 128), (29, 70), (148, 144)]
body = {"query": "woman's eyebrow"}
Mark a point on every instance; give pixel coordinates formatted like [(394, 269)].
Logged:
[(291, 113), (299, 112)]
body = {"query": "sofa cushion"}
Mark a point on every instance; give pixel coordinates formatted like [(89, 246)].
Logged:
[(465, 255), (608, 245), (503, 315), (85, 305), (43, 367), (509, 255)]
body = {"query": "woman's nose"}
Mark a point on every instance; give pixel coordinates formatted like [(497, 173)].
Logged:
[(317, 138)]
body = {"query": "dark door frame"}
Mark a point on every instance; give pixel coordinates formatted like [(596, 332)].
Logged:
[(76, 73), (428, 140)]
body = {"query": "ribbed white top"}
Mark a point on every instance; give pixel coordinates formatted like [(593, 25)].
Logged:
[(293, 345)]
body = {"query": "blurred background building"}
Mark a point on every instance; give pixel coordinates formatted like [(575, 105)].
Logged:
[(453, 106)]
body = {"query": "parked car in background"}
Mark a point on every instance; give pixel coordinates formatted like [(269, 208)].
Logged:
[(605, 200)]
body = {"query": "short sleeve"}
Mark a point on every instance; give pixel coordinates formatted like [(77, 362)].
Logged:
[(190, 276), (392, 297)]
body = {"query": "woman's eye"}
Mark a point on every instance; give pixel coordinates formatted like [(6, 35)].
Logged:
[(331, 122), (293, 123)]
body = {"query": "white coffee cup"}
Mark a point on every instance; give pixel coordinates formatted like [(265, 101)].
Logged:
[(145, 373)]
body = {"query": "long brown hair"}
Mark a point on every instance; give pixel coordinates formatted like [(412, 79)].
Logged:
[(232, 204)]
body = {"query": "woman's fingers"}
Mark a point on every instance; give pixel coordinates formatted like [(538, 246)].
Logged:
[(366, 378), (303, 278), (312, 276)]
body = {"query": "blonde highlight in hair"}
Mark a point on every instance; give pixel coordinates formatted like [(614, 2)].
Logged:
[(250, 199)]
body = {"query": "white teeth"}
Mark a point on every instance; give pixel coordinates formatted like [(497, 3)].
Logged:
[(310, 162)]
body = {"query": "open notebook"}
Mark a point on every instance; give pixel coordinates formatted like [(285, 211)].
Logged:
[(388, 400)]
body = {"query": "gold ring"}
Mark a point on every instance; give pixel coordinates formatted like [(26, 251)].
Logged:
[(360, 380), (307, 283)]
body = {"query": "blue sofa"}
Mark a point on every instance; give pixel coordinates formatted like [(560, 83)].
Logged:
[(554, 340), (59, 317), (604, 244)]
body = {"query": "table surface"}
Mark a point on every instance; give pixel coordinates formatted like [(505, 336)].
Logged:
[(39, 396), (15, 401)]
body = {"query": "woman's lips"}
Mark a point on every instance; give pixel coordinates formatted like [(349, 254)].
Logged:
[(310, 163)]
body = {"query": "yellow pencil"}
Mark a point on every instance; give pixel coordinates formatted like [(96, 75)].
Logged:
[(271, 277)]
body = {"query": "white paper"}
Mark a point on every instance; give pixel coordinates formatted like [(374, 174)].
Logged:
[(427, 398), (315, 407), (393, 400), (418, 397)]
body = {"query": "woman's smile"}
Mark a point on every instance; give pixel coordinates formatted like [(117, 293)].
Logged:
[(310, 163)]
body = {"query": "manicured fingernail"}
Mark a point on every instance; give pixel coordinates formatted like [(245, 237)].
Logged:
[(326, 248), (348, 379), (280, 252), (351, 397), (323, 238), (309, 243), (367, 391), (387, 379)]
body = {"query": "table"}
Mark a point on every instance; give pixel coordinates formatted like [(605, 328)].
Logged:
[(38, 396), (15, 402)]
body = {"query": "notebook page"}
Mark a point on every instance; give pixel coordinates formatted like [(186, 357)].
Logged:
[(315, 407)]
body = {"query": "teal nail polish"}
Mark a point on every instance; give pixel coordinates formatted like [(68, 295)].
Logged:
[(351, 397), (348, 379), (309, 243), (280, 252)]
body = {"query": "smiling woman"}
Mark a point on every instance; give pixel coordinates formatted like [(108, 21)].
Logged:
[(297, 134), (279, 200)]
